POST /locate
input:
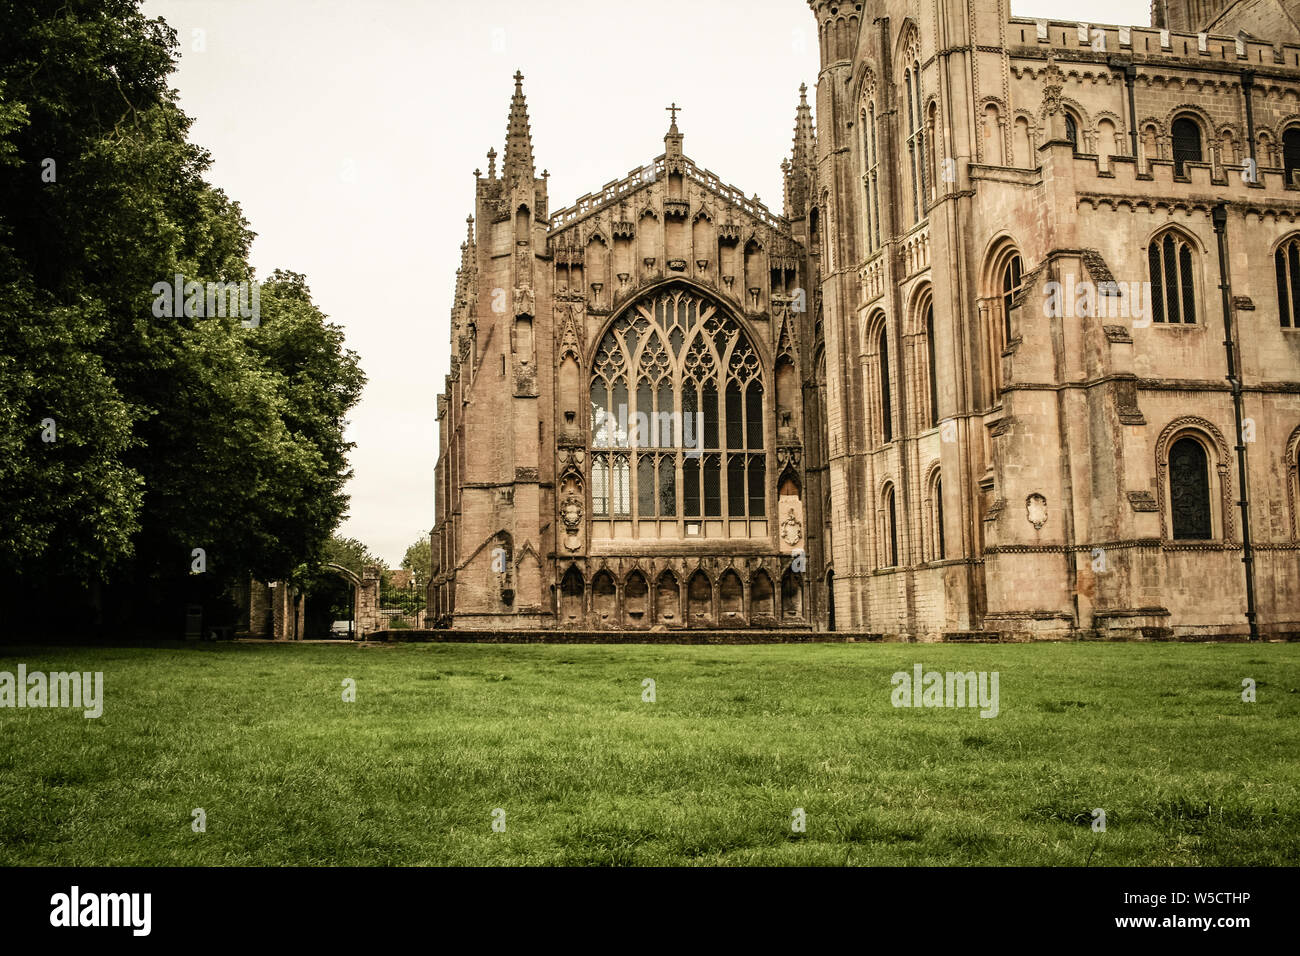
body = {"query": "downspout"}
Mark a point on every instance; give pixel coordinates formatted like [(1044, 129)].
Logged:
[(1130, 77), (1247, 85), (1220, 218)]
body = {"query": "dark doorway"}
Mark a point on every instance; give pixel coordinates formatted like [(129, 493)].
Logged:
[(830, 600)]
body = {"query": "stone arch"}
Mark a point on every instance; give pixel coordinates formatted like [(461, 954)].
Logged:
[(668, 599), (922, 356), (699, 598), (572, 594), (636, 600), (365, 599), (1291, 469), (791, 595), (731, 599), (604, 599), (1001, 279), (1217, 464), (762, 598)]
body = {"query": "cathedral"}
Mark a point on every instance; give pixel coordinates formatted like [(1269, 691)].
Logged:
[(1019, 357)]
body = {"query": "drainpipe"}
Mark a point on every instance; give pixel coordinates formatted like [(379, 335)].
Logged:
[(1248, 84), (1220, 218), (1130, 76)]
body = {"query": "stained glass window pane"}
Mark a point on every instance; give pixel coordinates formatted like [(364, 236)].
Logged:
[(600, 426), (1283, 289), (712, 487), (667, 486), (757, 486), (735, 418), (1169, 256), (1293, 260), (1189, 490), (1189, 285), (754, 414), (600, 487), (691, 485), (736, 486), (710, 409), (645, 486), (664, 415), (622, 487), (1157, 283)]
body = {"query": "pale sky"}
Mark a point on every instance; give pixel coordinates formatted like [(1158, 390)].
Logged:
[(349, 130)]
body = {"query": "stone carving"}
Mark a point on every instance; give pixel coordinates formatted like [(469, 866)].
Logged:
[(791, 530), (571, 514), (1036, 511), (524, 302)]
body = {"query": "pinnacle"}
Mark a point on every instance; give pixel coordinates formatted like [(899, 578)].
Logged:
[(519, 142)]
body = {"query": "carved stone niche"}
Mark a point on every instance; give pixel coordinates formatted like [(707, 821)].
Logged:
[(676, 209), (1036, 511), (623, 230), (728, 234), (525, 380), (525, 302)]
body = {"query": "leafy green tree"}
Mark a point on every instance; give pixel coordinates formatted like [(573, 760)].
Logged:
[(419, 559), (176, 432), (349, 553)]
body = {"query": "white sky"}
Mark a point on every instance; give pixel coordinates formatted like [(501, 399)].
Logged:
[(349, 130)]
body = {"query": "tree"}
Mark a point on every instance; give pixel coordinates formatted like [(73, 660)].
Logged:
[(177, 432), (419, 559), (349, 553)]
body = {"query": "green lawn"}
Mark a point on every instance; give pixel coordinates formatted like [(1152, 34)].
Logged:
[(558, 737)]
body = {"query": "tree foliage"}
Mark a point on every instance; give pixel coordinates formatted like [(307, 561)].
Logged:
[(173, 433)]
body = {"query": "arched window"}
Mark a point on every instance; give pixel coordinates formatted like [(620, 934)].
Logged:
[(1187, 143), (940, 551), (1286, 263), (871, 177), (1010, 286), (1291, 153), (915, 139), (1170, 261), (1189, 490), (890, 536), (933, 366), (677, 416), (936, 517), (886, 413), (1001, 282), (1072, 130)]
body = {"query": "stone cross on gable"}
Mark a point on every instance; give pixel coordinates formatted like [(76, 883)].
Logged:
[(674, 110)]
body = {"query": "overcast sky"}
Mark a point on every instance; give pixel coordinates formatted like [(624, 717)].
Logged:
[(349, 133)]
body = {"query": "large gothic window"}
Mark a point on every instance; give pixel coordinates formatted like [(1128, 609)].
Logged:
[(1003, 280), (1286, 262), (1189, 490), (932, 365), (915, 140), (886, 400), (677, 420), (1171, 261), (871, 177)]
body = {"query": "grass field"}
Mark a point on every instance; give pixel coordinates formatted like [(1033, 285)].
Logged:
[(559, 738)]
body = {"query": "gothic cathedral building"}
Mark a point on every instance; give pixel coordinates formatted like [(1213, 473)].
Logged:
[(1019, 357)]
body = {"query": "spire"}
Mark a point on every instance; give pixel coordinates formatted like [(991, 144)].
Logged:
[(805, 140), (519, 142), (798, 169)]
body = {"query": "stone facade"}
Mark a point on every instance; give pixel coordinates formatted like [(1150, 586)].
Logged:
[(972, 381)]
